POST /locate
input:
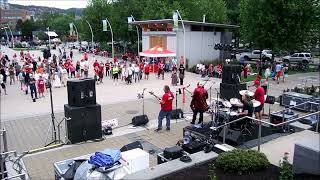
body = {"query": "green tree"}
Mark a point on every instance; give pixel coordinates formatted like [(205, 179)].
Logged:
[(277, 24), (27, 27), (60, 24)]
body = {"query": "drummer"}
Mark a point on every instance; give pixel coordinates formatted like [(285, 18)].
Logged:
[(259, 96), (247, 106)]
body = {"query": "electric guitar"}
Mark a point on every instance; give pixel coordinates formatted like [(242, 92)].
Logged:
[(157, 97)]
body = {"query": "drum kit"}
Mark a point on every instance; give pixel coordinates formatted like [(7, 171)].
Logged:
[(226, 111)]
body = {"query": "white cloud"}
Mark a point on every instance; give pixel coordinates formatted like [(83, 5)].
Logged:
[(62, 4)]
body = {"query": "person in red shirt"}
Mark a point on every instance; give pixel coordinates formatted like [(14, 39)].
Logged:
[(146, 71), (40, 85), (95, 64), (199, 103), (166, 108), (67, 66), (96, 74), (85, 56), (115, 60), (259, 96)]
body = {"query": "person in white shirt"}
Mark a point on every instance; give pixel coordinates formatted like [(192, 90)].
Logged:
[(136, 73), (129, 73), (82, 64), (86, 68)]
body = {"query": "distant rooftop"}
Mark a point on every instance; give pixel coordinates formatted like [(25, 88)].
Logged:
[(227, 26)]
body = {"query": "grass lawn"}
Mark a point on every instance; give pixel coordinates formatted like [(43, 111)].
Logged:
[(250, 78)]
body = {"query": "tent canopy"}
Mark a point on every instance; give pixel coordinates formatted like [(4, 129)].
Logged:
[(51, 34), (157, 51)]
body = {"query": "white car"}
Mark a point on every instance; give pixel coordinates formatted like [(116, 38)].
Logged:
[(304, 58), (255, 55)]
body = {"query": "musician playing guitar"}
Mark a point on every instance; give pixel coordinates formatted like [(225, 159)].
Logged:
[(166, 107), (199, 102)]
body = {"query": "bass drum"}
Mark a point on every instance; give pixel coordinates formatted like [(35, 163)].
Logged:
[(222, 117)]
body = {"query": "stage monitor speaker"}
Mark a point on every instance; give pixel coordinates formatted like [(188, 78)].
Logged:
[(140, 120), (270, 99), (235, 137), (85, 123), (81, 92), (231, 74), (176, 114), (228, 91), (131, 146)]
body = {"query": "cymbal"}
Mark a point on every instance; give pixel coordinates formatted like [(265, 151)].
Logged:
[(235, 102), (243, 92), (227, 104), (256, 103)]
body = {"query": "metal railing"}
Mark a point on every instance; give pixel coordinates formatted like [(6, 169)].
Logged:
[(224, 126)]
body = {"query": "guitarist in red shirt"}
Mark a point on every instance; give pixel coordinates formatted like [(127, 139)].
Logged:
[(166, 108), (199, 103)]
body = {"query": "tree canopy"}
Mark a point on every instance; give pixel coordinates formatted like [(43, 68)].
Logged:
[(279, 24)]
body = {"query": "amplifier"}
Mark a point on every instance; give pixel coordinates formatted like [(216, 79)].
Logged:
[(298, 98), (228, 91)]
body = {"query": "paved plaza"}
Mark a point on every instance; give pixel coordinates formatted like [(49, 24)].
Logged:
[(28, 124)]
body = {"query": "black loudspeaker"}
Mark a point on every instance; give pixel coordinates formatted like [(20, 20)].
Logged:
[(176, 114), (81, 92), (130, 146), (173, 152), (270, 99), (85, 123), (231, 74), (140, 120), (232, 136), (228, 91)]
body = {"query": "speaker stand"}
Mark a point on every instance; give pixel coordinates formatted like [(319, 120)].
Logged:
[(54, 131)]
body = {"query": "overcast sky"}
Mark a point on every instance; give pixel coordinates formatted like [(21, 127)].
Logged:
[(62, 4)]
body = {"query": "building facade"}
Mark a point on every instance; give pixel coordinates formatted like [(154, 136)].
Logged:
[(11, 16), (198, 42), (4, 4)]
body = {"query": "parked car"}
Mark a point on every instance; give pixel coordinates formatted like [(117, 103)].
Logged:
[(255, 55), (302, 58)]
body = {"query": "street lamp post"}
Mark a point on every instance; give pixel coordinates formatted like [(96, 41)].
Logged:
[(76, 32), (111, 37), (137, 28), (12, 39), (48, 37), (184, 36), (91, 35)]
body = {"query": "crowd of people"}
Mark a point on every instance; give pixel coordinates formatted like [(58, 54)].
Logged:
[(38, 74)]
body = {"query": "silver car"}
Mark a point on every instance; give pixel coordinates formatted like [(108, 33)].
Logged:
[(304, 58)]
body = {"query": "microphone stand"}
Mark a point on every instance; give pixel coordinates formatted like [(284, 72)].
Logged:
[(176, 105), (143, 101), (217, 107)]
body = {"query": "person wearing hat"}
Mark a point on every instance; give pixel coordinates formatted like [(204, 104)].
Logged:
[(199, 103), (259, 96)]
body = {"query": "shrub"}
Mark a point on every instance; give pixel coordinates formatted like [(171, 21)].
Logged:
[(242, 161)]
